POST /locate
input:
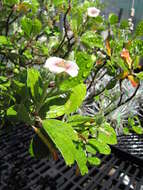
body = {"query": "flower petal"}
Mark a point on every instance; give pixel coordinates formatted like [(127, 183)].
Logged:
[(52, 64), (93, 12), (72, 69), (58, 65)]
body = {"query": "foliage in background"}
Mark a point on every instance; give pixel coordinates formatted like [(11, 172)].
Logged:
[(55, 105)]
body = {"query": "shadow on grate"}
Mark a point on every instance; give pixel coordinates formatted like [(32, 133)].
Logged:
[(19, 171)]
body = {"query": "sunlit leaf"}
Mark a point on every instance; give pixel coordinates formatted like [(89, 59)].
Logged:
[(138, 129), (94, 161), (107, 134), (101, 146)]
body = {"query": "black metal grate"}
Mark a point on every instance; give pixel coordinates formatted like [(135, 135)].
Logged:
[(18, 171), (132, 144)]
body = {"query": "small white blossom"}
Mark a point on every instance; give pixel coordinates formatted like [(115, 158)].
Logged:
[(131, 28), (100, 54), (59, 65), (93, 12), (130, 20), (43, 39)]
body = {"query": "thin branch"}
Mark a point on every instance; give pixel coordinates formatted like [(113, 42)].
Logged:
[(94, 76), (27, 45), (12, 21), (121, 96), (123, 103), (65, 20), (65, 27), (46, 142), (93, 79), (7, 22), (70, 45), (60, 45), (130, 98)]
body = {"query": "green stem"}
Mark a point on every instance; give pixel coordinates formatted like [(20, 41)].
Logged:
[(40, 104), (46, 142)]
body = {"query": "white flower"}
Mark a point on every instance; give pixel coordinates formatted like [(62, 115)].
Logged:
[(130, 20), (93, 12), (59, 65)]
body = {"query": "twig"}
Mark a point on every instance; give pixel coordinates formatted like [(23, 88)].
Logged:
[(94, 76), (7, 22), (27, 45), (131, 96), (69, 48), (46, 142), (65, 27), (126, 101), (65, 18), (121, 96)]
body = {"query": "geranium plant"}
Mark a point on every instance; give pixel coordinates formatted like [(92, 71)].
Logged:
[(64, 71)]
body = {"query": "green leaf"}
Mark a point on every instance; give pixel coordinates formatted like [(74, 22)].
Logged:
[(62, 135), (122, 64), (113, 19), (31, 148), (36, 26), (2, 87), (19, 112), (111, 84), (138, 129), (99, 19), (92, 40), (47, 30), (10, 2), (124, 24), (38, 148), (3, 40), (76, 98), (20, 90), (102, 147), (131, 121), (81, 159), (4, 83), (28, 54), (3, 79), (33, 5), (140, 75), (139, 29), (59, 2), (126, 131), (26, 24), (78, 119), (107, 134), (55, 111), (11, 112), (94, 161), (23, 114), (91, 149), (53, 107), (85, 63), (33, 82)]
